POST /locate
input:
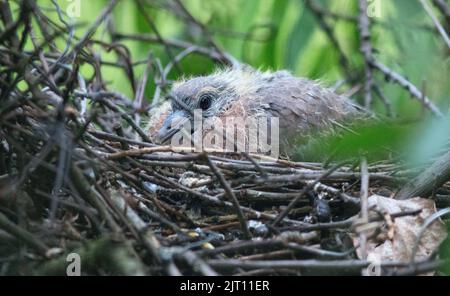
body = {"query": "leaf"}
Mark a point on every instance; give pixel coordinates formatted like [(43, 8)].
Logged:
[(398, 240), (279, 11), (299, 37), (431, 139), (376, 139)]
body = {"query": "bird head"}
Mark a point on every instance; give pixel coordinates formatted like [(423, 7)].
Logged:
[(211, 94)]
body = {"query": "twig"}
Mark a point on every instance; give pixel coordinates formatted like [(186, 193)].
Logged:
[(307, 188), (23, 235), (364, 205), (318, 13), (436, 22), (160, 39), (231, 196), (93, 28), (411, 88), (366, 50), (444, 8), (348, 266)]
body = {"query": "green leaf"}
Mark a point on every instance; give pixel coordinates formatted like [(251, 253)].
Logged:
[(376, 139)]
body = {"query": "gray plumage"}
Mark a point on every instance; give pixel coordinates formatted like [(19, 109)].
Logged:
[(301, 105)]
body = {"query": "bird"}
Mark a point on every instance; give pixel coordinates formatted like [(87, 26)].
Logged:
[(300, 105)]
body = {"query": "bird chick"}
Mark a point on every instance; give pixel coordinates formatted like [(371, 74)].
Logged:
[(300, 106)]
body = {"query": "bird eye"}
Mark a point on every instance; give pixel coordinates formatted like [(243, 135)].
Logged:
[(205, 101)]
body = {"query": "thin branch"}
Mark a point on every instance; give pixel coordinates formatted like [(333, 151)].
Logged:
[(406, 84), (318, 13), (436, 22), (231, 196), (366, 50), (307, 188)]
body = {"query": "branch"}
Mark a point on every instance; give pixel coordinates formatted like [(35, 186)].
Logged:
[(366, 50), (231, 196), (406, 84), (444, 8), (436, 22)]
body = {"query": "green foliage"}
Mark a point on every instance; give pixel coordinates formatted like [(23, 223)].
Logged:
[(377, 140), (428, 140)]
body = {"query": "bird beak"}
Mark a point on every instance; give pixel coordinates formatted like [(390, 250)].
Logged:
[(172, 124)]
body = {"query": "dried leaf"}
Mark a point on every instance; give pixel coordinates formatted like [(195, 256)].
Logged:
[(406, 230)]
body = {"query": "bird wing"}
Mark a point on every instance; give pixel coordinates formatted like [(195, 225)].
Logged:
[(301, 104)]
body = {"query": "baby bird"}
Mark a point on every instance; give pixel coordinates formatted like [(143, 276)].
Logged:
[(301, 106)]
